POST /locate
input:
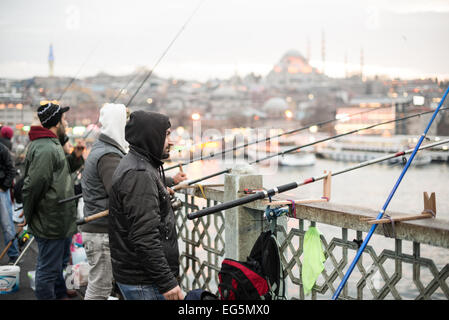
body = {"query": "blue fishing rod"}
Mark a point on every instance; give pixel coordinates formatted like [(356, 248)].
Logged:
[(382, 211)]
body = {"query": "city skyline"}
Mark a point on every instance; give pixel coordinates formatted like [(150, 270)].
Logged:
[(403, 39)]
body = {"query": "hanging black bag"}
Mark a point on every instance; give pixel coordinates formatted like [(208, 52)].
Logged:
[(258, 278)]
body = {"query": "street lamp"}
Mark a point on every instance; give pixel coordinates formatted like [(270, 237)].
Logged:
[(313, 129)]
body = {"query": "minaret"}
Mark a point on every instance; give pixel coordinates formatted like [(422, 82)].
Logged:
[(51, 60), (346, 64), (323, 50)]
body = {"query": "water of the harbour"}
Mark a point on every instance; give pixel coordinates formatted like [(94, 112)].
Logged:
[(367, 187)]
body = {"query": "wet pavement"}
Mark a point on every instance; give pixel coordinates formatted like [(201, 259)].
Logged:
[(26, 263)]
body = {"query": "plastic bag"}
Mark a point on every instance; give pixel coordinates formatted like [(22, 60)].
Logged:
[(313, 259), (77, 275)]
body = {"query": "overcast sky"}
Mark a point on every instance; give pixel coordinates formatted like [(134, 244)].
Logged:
[(405, 38)]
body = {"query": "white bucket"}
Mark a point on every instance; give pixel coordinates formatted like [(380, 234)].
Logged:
[(9, 279)]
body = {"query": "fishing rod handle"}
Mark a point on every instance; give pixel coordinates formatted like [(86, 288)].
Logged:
[(6, 248), (76, 197), (227, 205), (241, 201), (92, 217)]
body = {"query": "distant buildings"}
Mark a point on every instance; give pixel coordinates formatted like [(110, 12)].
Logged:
[(292, 94), (368, 111), (14, 110)]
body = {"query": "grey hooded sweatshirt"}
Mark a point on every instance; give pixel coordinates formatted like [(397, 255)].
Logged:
[(101, 163)]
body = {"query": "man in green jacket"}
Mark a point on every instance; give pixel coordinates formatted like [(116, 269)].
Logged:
[(47, 180)]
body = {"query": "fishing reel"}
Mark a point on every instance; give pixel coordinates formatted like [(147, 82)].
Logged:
[(176, 203), (23, 238)]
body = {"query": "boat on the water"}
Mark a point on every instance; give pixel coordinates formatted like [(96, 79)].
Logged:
[(364, 148), (352, 156), (298, 159)]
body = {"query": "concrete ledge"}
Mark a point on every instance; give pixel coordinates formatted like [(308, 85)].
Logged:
[(434, 232)]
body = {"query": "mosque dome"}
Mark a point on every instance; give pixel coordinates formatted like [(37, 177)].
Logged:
[(293, 53), (275, 104)]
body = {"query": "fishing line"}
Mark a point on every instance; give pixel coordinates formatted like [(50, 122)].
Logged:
[(151, 71), (164, 53), (228, 170), (78, 72), (293, 185), (318, 124), (313, 143)]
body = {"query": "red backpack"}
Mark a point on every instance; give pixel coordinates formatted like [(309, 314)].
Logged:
[(258, 278)]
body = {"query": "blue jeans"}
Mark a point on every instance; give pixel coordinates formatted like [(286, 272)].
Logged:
[(140, 292), (51, 260), (7, 224)]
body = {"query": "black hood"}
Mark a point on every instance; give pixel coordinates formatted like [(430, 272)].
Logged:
[(146, 132)]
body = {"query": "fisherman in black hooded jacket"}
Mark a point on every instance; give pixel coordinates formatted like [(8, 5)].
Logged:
[(142, 234)]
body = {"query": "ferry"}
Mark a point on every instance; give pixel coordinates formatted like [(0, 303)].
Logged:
[(363, 148), (300, 158)]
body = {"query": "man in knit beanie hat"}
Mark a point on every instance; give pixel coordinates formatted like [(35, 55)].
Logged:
[(47, 180)]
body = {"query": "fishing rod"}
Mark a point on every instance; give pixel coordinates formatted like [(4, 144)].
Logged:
[(318, 124), (113, 101), (293, 185), (228, 170), (155, 65), (78, 72), (242, 146), (164, 53), (140, 86), (387, 202), (131, 79), (76, 75)]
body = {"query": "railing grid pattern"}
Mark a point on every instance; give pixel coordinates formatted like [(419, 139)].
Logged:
[(391, 274), (202, 246)]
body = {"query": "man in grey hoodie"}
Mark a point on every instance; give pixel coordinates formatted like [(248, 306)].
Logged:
[(99, 168)]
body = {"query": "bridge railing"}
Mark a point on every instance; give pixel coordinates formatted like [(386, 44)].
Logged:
[(409, 262)]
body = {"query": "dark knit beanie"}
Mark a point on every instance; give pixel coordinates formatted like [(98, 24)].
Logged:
[(50, 114)]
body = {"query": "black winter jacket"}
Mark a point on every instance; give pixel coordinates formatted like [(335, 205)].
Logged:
[(142, 234), (7, 171)]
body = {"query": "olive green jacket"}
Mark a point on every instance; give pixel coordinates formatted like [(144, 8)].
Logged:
[(48, 180)]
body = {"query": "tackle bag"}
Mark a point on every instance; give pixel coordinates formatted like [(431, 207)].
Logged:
[(258, 278)]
